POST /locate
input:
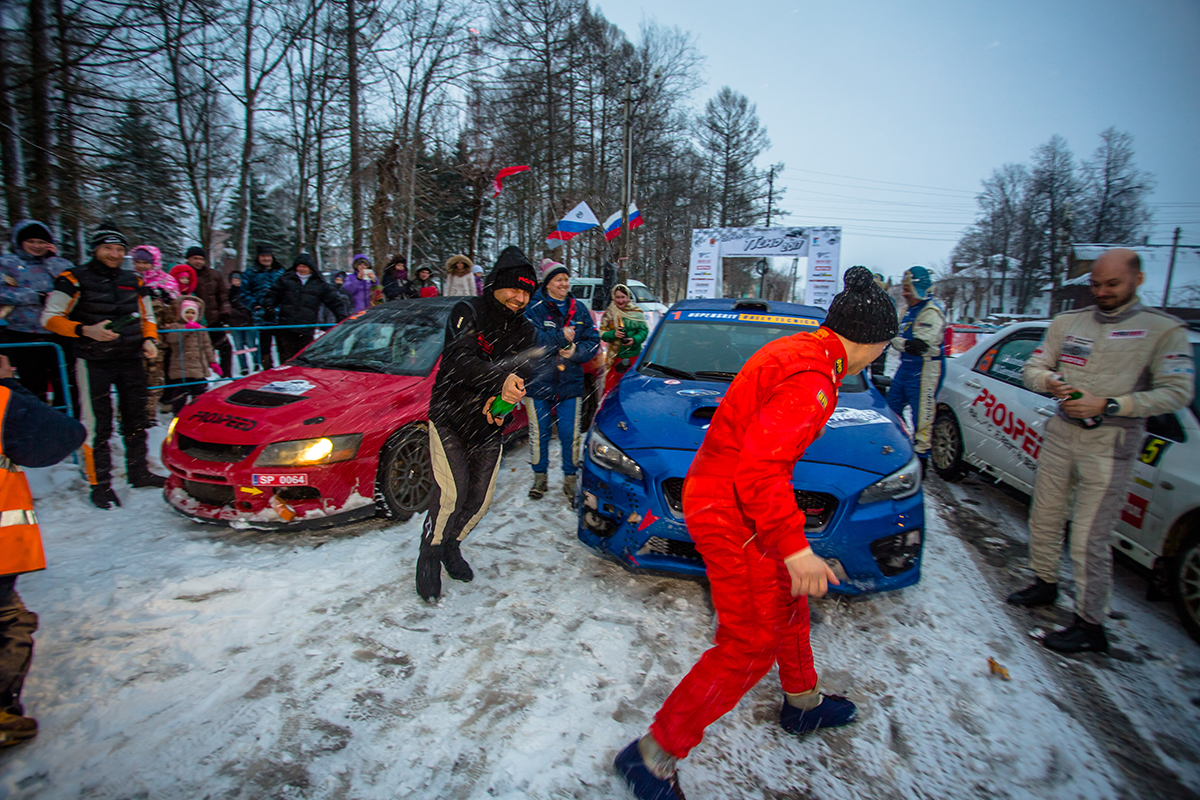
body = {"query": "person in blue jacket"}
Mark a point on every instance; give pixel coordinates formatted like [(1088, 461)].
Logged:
[(256, 282), (26, 277), (919, 377), (566, 331)]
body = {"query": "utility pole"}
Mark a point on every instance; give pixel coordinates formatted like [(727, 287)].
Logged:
[(770, 192), (626, 186), (1171, 269)]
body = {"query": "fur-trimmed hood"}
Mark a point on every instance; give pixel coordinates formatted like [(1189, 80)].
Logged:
[(459, 265)]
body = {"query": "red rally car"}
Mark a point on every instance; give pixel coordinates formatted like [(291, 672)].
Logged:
[(336, 435)]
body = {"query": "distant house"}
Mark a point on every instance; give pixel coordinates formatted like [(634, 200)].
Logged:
[(1184, 299), (978, 292)]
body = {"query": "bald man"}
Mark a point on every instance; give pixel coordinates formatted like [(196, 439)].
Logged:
[(1111, 365)]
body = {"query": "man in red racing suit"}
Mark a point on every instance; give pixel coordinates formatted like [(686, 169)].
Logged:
[(741, 512)]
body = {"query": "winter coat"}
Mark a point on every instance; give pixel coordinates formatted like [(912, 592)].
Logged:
[(180, 270), (211, 288), (417, 288), (773, 410), (359, 291), (239, 314), (550, 382), (324, 315), (257, 281), (633, 321), (293, 302), (157, 281), (394, 279), (191, 351), (93, 293), (460, 282), (485, 342), (25, 281)]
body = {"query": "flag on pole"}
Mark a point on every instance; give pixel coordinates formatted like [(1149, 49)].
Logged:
[(577, 220), (612, 225), (501, 175)]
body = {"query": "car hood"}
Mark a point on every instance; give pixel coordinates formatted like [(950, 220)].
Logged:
[(326, 402), (662, 415)]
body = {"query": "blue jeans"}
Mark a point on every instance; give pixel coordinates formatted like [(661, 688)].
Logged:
[(539, 432), (916, 384)]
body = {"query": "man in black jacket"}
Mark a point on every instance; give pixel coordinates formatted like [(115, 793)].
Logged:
[(106, 312), (490, 347), (295, 299)]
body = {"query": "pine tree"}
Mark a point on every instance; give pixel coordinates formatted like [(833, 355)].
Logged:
[(140, 184)]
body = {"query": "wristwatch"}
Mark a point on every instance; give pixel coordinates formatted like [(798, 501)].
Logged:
[(1111, 407)]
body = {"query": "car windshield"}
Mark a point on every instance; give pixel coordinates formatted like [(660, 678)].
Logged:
[(712, 351), (642, 295), (393, 344)]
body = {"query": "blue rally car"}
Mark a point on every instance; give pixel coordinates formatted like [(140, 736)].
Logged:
[(859, 484)]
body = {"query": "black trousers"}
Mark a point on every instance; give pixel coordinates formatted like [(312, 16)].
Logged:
[(220, 342), (17, 625), (263, 359), (96, 380), (291, 341), (464, 477)]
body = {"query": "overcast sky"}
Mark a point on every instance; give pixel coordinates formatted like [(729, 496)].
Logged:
[(888, 115)]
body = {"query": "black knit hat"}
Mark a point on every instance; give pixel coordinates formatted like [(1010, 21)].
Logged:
[(863, 312), (264, 250), (33, 230), (108, 233), (195, 251), (306, 260), (512, 271)]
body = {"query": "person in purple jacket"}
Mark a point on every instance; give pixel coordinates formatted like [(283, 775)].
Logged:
[(360, 283)]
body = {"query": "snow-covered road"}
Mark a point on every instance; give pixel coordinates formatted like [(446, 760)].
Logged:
[(177, 660)]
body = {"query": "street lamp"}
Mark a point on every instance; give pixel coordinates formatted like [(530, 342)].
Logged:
[(763, 269)]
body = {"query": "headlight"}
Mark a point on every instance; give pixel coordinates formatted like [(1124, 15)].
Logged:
[(606, 454), (306, 452), (902, 483), (171, 428)]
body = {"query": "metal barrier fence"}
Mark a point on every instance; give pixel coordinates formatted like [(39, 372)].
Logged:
[(61, 358)]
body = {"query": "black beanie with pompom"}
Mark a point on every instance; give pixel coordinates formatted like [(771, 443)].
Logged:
[(863, 313)]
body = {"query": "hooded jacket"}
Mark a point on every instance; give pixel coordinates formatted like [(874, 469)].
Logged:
[(359, 289), (459, 280), (294, 302), (191, 350), (184, 269), (257, 281), (25, 281), (485, 342), (156, 280), (550, 382)]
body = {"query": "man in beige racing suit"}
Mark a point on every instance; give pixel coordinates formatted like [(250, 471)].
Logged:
[(1111, 365)]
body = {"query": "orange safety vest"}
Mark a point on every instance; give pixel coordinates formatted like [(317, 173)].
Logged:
[(20, 539)]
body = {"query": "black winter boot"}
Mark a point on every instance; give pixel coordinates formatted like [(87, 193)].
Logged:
[(15, 728), (456, 566), (1041, 593), (1081, 637), (104, 497), (429, 571), (143, 478)]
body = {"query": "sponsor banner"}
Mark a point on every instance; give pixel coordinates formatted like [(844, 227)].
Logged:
[(710, 245), (824, 253)]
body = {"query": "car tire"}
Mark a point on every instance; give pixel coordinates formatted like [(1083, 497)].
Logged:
[(1185, 583), (946, 448), (405, 481)]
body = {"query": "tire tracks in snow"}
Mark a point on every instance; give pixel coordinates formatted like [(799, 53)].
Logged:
[(1083, 696)]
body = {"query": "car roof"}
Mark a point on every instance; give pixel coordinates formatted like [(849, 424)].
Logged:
[(750, 305), (598, 281), (439, 306)]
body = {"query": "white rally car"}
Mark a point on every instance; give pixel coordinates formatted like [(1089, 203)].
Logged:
[(987, 420)]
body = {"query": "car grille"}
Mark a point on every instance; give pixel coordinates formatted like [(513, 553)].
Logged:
[(209, 493), (656, 545), (256, 399), (818, 507), (672, 489), (208, 451)]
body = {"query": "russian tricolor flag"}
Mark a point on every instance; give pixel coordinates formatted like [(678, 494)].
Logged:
[(577, 220), (612, 225)]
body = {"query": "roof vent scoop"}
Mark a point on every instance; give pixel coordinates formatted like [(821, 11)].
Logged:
[(752, 304)]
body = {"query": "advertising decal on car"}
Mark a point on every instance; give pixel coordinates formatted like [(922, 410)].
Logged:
[(228, 420), (295, 387), (844, 417), (1013, 433)]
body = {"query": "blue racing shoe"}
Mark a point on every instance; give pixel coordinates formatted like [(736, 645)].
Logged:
[(833, 711), (642, 782)]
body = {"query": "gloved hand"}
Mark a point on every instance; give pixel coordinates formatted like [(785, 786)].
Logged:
[(216, 368), (192, 324), (915, 347)]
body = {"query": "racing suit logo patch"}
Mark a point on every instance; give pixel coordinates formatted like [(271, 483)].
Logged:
[(1127, 335), (822, 399)]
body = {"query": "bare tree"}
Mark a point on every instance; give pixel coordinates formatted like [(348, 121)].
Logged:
[(1113, 203)]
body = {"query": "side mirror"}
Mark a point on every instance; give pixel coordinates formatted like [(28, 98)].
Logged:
[(882, 383)]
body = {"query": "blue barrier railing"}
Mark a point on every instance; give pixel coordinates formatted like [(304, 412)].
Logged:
[(61, 357), (164, 332)]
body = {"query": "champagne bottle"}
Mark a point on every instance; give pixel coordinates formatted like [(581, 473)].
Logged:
[(500, 407)]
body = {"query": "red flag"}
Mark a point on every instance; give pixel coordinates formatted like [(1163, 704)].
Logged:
[(501, 175)]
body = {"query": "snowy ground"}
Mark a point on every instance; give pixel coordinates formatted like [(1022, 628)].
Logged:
[(177, 660)]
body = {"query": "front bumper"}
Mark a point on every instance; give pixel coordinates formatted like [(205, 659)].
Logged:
[(224, 493), (872, 548)]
